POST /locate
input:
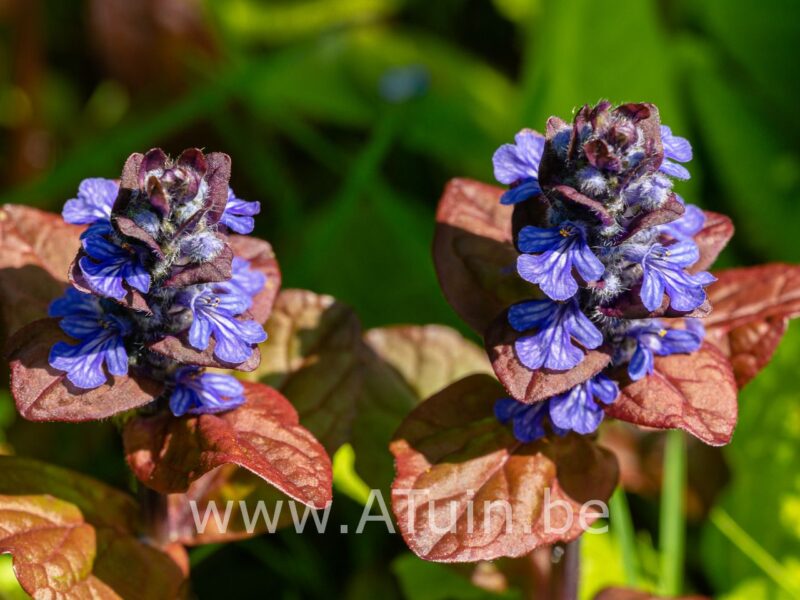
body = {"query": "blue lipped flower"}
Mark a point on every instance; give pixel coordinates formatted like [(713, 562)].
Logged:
[(675, 149), (100, 335), (664, 270), (581, 408), (654, 338), (215, 311), (686, 226), (238, 214), (108, 265), (517, 165), (245, 281), (197, 392), (556, 324), (527, 420), (562, 248), (95, 199)]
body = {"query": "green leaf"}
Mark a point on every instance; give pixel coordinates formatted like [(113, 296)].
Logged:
[(421, 580), (764, 496)]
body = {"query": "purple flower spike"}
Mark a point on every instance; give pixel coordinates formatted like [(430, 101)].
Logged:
[(108, 265), (517, 165), (653, 339), (215, 312), (238, 215), (687, 226), (663, 270), (95, 199), (556, 324), (101, 340), (675, 148), (578, 410), (197, 392), (562, 248)]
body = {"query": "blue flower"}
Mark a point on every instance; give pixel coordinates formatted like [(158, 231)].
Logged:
[(238, 214), (215, 310), (245, 281), (517, 165), (687, 226), (580, 409), (664, 269), (100, 335), (197, 392), (95, 199), (527, 420), (562, 248), (654, 339), (556, 324), (108, 265), (675, 148)]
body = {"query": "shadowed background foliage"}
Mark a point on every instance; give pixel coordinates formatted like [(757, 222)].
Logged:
[(345, 118)]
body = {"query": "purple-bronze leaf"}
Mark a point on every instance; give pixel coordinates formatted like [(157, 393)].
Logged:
[(531, 386), (57, 554), (711, 239), (218, 269), (573, 196), (262, 258), (179, 349), (695, 392), (221, 486), (217, 177), (751, 308), (45, 394), (129, 182), (670, 211), (402, 366), (629, 306), (263, 436), (312, 357), (456, 463), (35, 253), (127, 227), (473, 252)]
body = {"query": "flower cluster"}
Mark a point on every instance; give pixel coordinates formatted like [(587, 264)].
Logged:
[(613, 255), (156, 264)]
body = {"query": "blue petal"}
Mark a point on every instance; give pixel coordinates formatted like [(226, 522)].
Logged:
[(526, 189)]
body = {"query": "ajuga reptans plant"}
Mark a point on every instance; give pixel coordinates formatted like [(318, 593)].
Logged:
[(614, 242)]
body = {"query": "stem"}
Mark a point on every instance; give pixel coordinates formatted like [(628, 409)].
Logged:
[(154, 515), (754, 551), (566, 573), (623, 531), (672, 527)]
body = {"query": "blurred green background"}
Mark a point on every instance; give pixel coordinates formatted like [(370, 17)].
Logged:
[(345, 118)]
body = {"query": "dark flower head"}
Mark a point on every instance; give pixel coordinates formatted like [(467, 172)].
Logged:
[(610, 238), (155, 263)]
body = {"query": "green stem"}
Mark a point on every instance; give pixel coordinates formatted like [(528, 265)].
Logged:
[(672, 526), (623, 531), (754, 551)]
